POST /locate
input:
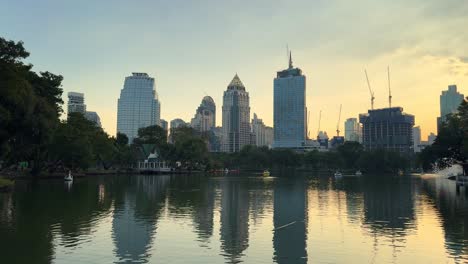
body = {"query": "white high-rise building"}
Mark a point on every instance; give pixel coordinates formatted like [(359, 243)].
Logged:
[(352, 130), (417, 139), (290, 108), (263, 135), (76, 103), (205, 117), (236, 117), (138, 105)]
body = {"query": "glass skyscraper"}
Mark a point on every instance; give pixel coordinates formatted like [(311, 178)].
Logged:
[(290, 110), (450, 100), (138, 105)]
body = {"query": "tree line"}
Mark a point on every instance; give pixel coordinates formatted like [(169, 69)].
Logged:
[(451, 143)]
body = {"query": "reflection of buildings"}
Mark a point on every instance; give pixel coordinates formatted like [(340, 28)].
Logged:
[(135, 217), (290, 233), (388, 205), (234, 219), (453, 209)]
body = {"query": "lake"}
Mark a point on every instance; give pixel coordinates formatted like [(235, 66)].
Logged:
[(300, 218)]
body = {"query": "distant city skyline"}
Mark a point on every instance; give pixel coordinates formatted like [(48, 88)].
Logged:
[(192, 51)]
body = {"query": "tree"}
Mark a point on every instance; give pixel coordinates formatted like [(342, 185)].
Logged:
[(30, 106), (350, 152)]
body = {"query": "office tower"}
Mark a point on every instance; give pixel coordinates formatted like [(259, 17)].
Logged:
[(76, 103), (387, 128), (164, 124), (93, 117), (236, 117), (431, 138), (290, 110), (263, 135), (138, 105), (205, 116), (175, 123), (450, 100), (417, 139), (352, 130)]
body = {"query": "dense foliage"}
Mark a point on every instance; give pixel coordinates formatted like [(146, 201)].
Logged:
[(349, 156), (451, 144)]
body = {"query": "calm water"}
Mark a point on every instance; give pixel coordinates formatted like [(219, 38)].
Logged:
[(197, 219)]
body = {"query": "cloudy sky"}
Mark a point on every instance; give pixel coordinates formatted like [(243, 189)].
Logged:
[(194, 48)]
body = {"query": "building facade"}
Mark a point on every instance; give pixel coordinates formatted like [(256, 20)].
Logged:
[(450, 100), (76, 103), (138, 105), (205, 116), (262, 134), (175, 123), (417, 139), (93, 117), (387, 128), (236, 117), (352, 130), (289, 108)]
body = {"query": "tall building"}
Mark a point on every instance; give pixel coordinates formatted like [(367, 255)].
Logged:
[(263, 135), (431, 138), (236, 117), (352, 130), (175, 123), (450, 100), (164, 124), (138, 105), (387, 128), (205, 116), (93, 117), (289, 103), (417, 139), (76, 103)]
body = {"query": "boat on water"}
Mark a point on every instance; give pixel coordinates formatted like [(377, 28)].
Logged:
[(338, 174), (358, 173), (266, 173), (68, 177)]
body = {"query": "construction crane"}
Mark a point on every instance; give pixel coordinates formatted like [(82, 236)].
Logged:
[(338, 125), (370, 90), (389, 90), (320, 118)]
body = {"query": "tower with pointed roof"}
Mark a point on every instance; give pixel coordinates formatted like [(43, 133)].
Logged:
[(289, 108), (236, 117)]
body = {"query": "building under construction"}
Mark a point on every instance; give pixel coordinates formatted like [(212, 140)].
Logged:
[(387, 128)]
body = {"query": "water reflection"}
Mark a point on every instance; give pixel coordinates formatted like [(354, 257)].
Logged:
[(135, 219), (136, 212), (234, 219), (290, 221), (453, 207)]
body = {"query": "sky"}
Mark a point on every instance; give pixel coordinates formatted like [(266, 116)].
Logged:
[(194, 48)]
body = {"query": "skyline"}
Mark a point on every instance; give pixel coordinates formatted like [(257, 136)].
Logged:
[(190, 55)]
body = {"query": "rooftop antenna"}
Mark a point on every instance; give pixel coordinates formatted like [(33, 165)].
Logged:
[(320, 118), (370, 90), (389, 89), (338, 125)]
